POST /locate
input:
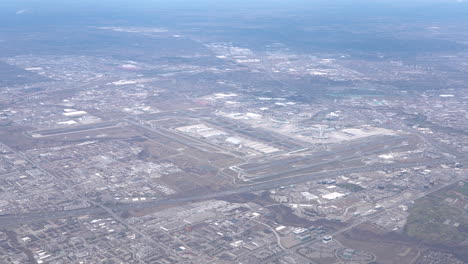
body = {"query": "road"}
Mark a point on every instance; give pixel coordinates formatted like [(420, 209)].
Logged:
[(278, 238)]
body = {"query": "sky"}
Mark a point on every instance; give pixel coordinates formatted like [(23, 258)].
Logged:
[(40, 12)]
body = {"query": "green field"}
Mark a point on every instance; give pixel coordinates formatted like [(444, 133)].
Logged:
[(350, 186), (462, 189), (432, 219)]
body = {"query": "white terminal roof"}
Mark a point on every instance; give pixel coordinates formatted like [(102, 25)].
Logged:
[(75, 113), (309, 196), (332, 196)]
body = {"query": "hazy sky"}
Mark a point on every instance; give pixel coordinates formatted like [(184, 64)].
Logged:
[(141, 11)]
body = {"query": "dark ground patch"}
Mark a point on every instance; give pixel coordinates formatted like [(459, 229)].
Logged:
[(284, 215)]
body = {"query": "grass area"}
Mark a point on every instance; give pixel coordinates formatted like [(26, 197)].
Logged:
[(462, 189), (350, 186), (427, 217), (394, 187)]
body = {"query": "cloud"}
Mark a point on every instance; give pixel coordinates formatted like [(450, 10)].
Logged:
[(23, 11)]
